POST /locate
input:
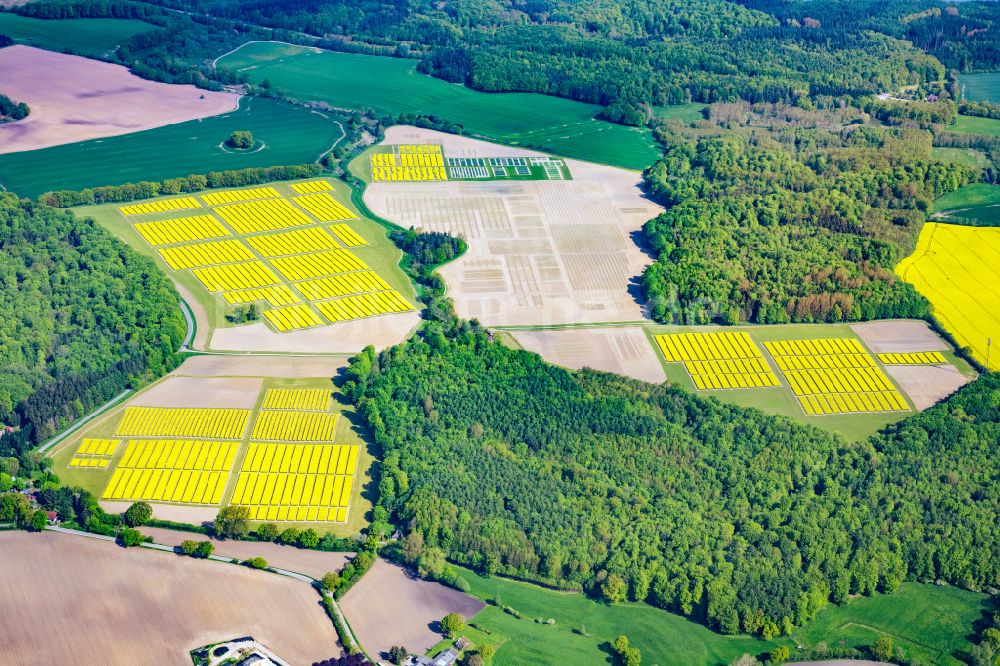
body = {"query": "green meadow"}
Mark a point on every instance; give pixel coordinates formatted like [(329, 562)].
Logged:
[(392, 86), (285, 135), (980, 87), (975, 205), (89, 37), (976, 125)]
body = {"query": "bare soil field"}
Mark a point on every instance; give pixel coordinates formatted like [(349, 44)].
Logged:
[(99, 603), (347, 337), (389, 606), (74, 99), (625, 351), (291, 367), (309, 562), (234, 392), (899, 336), (178, 513), (927, 384), (540, 252)]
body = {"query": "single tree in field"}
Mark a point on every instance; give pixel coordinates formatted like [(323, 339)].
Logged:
[(188, 546), (241, 140), (452, 624), (398, 654), (233, 522), (268, 532), (331, 581), (883, 649), (138, 514), (130, 537), (204, 549), (256, 563)]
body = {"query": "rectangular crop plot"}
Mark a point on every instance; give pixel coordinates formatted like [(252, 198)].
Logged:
[(364, 305), (296, 241), (835, 376), (296, 482), (310, 400), (98, 447), (232, 277), (324, 207), (266, 215), (347, 236), (231, 196), (181, 203), (311, 186), (292, 318), (718, 360), (276, 295), (183, 471), (297, 426), (318, 264), (212, 423), (913, 358), (181, 257), (345, 284), (181, 230), (89, 463)]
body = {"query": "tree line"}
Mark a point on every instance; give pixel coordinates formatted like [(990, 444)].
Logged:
[(11, 110)]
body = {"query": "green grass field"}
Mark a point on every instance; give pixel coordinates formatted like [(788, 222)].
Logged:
[(977, 204), (980, 87), (287, 135), (392, 86), (976, 125), (962, 156), (89, 37)]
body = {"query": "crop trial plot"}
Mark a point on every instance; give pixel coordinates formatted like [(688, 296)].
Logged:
[(276, 295), (718, 360), (311, 186), (318, 264), (835, 376), (363, 305), (181, 230), (232, 196), (264, 215), (345, 284), (309, 400), (214, 423), (295, 426), (213, 253), (89, 463), (234, 277), (297, 241), (347, 236), (292, 318), (913, 358), (324, 207), (98, 447), (182, 471), (162, 206), (423, 162)]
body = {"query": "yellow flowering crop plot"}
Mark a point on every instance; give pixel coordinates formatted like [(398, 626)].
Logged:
[(407, 174), (265, 215), (276, 295), (208, 422), (296, 482), (363, 305), (324, 207), (231, 196), (168, 470), (835, 376), (311, 186), (309, 400), (98, 447), (384, 160), (233, 277), (213, 253), (345, 284), (297, 241), (724, 360), (181, 230), (958, 269), (318, 264), (296, 426), (913, 358), (162, 206), (89, 463), (347, 236), (292, 318)]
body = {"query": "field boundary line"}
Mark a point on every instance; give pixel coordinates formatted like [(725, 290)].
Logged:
[(85, 420), (937, 652), (261, 41)]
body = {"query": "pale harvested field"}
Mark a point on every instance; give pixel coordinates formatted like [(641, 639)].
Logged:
[(309, 562), (179, 513), (540, 252), (348, 337), (899, 336), (292, 367), (624, 351), (389, 607), (74, 99), (95, 602), (927, 384), (234, 392)]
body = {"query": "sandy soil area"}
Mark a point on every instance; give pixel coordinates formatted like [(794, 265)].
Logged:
[(309, 562), (348, 337), (234, 392), (74, 99), (927, 384), (99, 603), (179, 513), (540, 252), (390, 607), (899, 336), (625, 351), (292, 367)]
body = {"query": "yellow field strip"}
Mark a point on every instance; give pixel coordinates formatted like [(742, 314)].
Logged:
[(345, 284), (234, 277), (324, 207), (98, 447), (337, 459), (292, 318), (277, 295), (181, 203), (213, 253), (214, 423), (298, 426), (89, 463), (265, 215), (310, 400), (318, 264), (296, 241), (230, 196), (723, 360), (913, 358), (347, 236), (363, 305), (181, 230), (184, 471), (311, 186)]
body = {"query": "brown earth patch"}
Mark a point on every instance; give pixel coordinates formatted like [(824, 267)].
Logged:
[(346, 337), (233, 392), (927, 384), (291, 367), (899, 335), (624, 351)]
